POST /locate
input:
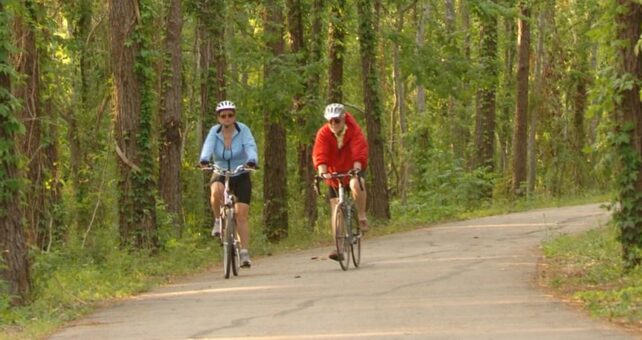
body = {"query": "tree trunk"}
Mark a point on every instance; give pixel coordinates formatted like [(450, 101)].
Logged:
[(507, 106), (136, 206), (521, 114), (28, 65), (51, 227), (206, 108), (485, 117), (629, 111), (171, 118), (539, 95), (212, 65), (337, 51), (465, 26), (315, 100), (378, 202), (275, 214), (464, 133), (308, 95), (75, 135), (13, 248), (578, 172), (53, 224), (582, 83), (420, 42), (400, 100), (452, 109)]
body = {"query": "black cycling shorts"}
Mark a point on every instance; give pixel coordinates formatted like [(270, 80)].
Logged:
[(240, 185), (334, 192)]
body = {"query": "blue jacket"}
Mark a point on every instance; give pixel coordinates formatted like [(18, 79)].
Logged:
[(242, 150)]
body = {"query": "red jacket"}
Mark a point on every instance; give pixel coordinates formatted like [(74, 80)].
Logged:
[(326, 150)]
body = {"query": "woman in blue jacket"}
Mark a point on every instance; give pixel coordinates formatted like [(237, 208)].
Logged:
[(230, 144)]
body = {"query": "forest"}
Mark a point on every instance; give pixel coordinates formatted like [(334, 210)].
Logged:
[(104, 106)]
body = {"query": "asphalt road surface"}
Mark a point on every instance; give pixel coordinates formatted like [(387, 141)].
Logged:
[(472, 279)]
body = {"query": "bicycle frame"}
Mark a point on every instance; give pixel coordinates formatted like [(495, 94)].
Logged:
[(227, 208)]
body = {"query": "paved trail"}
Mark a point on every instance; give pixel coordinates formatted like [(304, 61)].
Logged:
[(473, 279)]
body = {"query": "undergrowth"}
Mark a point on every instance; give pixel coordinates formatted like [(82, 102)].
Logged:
[(70, 282), (588, 268)]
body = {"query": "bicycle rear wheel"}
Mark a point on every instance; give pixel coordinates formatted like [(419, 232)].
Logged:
[(355, 246), (228, 247), (341, 237)]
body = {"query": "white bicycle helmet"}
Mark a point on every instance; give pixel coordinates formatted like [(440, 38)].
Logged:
[(333, 110), (225, 105)]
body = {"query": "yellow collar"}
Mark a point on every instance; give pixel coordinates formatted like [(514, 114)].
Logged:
[(339, 135)]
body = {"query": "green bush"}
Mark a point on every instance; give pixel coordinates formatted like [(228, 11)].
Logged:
[(443, 187)]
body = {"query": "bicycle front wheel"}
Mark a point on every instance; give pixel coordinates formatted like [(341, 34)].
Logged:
[(228, 246), (355, 245), (236, 251), (341, 237)]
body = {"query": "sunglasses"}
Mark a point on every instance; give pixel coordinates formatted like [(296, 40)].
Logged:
[(225, 116), (335, 120)]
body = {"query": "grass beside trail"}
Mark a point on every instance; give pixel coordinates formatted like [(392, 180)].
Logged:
[(587, 269), (72, 282)]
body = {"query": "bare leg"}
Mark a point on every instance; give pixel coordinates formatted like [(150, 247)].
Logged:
[(216, 198), (333, 204), (359, 197), (242, 212)]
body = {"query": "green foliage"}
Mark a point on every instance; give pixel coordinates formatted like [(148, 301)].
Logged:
[(628, 202), (142, 194), (10, 125), (440, 64), (618, 142), (443, 187), (572, 149), (492, 8)]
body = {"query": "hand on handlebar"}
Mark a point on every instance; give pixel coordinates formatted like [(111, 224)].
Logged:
[(325, 175), (206, 166)]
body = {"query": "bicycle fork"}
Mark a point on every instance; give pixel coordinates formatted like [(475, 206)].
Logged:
[(226, 211)]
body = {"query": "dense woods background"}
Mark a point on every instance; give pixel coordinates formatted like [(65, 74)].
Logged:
[(104, 106)]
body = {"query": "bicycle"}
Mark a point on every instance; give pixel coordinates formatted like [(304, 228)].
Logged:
[(347, 234), (229, 237)]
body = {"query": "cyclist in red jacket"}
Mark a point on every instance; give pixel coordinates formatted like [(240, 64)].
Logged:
[(340, 146)]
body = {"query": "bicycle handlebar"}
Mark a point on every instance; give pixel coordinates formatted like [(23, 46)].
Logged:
[(224, 172), (338, 176)]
